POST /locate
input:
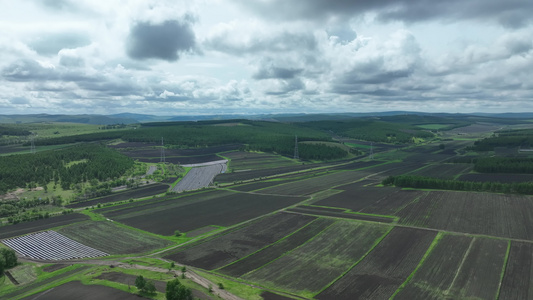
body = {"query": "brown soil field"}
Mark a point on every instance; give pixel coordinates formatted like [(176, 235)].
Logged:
[(503, 178), (498, 215), (8, 231), (272, 252), (443, 171), (77, 290), (321, 260), (516, 283), (384, 269), (224, 210), (52, 268), (237, 244)]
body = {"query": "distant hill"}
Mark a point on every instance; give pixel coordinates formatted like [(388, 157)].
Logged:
[(131, 118), (83, 119)]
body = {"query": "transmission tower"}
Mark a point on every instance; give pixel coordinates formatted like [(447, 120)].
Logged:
[(371, 151), (162, 151), (32, 148), (296, 155)]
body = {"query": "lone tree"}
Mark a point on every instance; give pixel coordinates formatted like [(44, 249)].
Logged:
[(177, 291), (8, 259), (145, 286)]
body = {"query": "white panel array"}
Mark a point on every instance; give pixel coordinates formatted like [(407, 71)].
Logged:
[(50, 245)]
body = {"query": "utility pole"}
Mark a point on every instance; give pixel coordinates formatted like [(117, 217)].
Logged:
[(162, 151), (296, 155), (371, 151)]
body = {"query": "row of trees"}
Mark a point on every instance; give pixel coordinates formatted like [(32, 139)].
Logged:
[(68, 166), (504, 165), (422, 182)]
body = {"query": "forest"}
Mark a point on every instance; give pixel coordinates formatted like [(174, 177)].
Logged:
[(66, 167)]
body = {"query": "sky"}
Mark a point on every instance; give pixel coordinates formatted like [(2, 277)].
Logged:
[(265, 56)]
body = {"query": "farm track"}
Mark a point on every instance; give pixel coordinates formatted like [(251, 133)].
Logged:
[(190, 274)]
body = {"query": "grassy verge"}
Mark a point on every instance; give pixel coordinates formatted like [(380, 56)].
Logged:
[(237, 288), (428, 252)]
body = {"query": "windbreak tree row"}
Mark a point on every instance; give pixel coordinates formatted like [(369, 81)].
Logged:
[(421, 182)]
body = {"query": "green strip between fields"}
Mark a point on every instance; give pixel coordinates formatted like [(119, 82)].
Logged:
[(357, 262), (504, 269), (428, 252)]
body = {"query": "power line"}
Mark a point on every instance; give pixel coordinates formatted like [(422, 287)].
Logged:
[(32, 148), (162, 151)]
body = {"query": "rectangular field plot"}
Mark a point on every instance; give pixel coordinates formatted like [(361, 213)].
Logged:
[(41, 224), (50, 245), (459, 268), (328, 212), (320, 261), (237, 244), (276, 250), (434, 278), (443, 171), (145, 191), (478, 213), (372, 200), (314, 184), (257, 161), (111, 238), (220, 208), (384, 269), (503, 178), (517, 283)]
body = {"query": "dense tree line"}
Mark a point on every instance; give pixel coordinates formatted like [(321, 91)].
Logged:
[(8, 259), (14, 131), (372, 130), (504, 165), (422, 182), (511, 139), (67, 167)]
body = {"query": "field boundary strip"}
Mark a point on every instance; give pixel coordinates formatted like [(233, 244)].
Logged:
[(285, 253), (460, 266), (504, 269), (376, 243), (343, 215), (420, 263), (261, 249)]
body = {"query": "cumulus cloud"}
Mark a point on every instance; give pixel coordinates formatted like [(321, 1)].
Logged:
[(161, 41), (52, 43)]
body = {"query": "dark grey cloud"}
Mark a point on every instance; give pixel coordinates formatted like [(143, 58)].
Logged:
[(64, 5), (510, 13), (50, 44), (281, 42), (27, 70), (19, 100), (273, 72), (161, 41), (71, 61)]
